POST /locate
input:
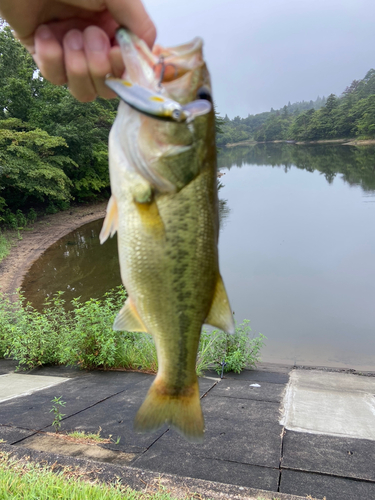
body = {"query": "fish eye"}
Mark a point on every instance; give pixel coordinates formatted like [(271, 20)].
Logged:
[(204, 93), (176, 114)]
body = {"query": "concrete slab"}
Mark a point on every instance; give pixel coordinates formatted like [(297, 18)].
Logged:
[(248, 389), (237, 430), (347, 457), (50, 443), (11, 435), (222, 471), (323, 486), (33, 412), (336, 404), (13, 385)]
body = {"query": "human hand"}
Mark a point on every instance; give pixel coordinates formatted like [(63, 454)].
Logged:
[(72, 41)]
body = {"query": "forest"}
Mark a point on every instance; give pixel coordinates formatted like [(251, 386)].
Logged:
[(351, 115), (53, 148)]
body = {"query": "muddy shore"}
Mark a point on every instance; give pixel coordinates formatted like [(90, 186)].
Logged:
[(37, 238)]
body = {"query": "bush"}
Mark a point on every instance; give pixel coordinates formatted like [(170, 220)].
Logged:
[(84, 337), (237, 351)]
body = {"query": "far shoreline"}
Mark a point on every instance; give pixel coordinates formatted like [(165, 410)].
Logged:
[(344, 142)]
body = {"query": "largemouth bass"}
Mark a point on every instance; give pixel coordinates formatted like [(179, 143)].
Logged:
[(164, 207)]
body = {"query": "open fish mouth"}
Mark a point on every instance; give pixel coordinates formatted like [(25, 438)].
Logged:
[(158, 83)]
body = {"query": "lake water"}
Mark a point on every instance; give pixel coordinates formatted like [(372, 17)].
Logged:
[(297, 252)]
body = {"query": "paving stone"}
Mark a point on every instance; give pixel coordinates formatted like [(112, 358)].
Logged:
[(324, 486), (346, 457), (12, 434), (33, 412), (237, 430), (7, 365), (222, 471), (116, 416), (245, 389), (260, 376)]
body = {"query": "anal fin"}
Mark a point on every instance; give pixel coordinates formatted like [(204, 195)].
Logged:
[(128, 319), (220, 314), (110, 223)]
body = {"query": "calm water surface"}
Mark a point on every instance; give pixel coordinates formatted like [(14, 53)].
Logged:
[(297, 252)]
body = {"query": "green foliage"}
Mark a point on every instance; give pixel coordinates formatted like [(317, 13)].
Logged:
[(52, 147), (56, 410), (30, 169), (237, 351), (84, 336)]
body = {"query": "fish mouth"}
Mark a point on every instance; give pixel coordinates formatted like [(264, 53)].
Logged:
[(160, 84)]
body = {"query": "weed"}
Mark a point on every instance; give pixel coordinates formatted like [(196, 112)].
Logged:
[(58, 416), (84, 337), (92, 436)]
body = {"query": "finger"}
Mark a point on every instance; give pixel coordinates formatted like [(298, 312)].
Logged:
[(129, 13), (79, 81), (97, 46), (95, 5), (133, 16), (117, 62), (49, 56)]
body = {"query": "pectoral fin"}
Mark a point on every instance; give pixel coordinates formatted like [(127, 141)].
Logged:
[(220, 314), (110, 223), (128, 319)]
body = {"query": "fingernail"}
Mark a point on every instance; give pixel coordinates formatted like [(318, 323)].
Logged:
[(74, 40), (94, 40), (44, 32)]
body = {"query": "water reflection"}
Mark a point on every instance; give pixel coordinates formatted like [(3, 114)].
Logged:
[(355, 166)]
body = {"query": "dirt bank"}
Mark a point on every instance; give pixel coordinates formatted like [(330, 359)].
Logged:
[(41, 235)]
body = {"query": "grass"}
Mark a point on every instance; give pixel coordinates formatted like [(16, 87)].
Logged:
[(84, 337), (87, 437), (27, 481)]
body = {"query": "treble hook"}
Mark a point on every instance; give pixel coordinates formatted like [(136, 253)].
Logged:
[(163, 67)]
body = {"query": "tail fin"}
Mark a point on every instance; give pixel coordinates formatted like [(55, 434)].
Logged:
[(183, 411)]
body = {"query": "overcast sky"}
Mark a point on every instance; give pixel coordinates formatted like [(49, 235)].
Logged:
[(264, 53)]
